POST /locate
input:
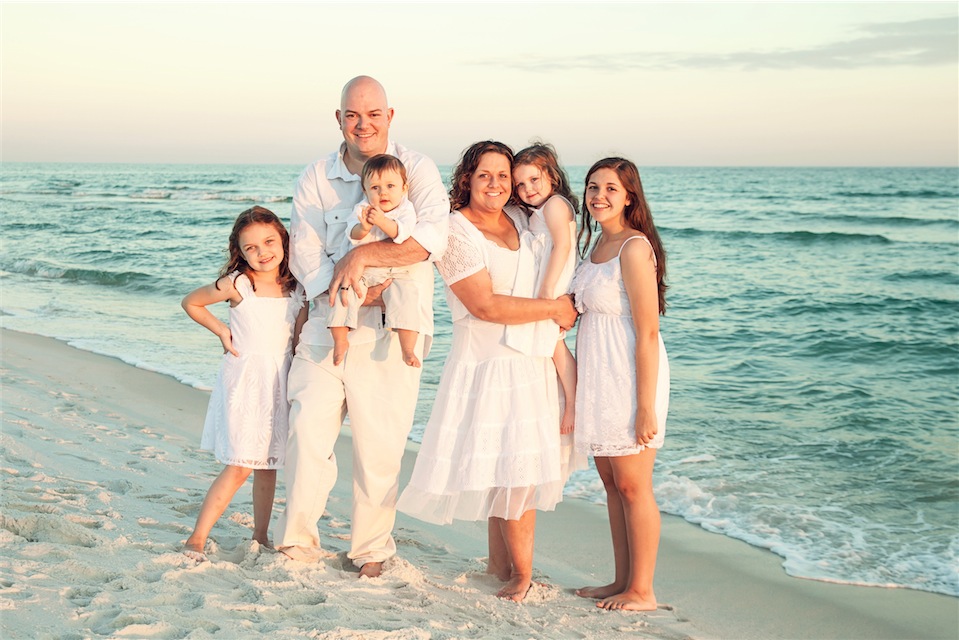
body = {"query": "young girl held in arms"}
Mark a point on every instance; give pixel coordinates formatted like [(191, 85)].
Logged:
[(246, 422), (623, 392), (543, 186)]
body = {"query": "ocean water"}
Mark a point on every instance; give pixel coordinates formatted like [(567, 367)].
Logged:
[(813, 333)]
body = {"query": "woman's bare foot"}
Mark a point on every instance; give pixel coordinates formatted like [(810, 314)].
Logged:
[(598, 593), (516, 589), (502, 572), (628, 601), (263, 542), (371, 569)]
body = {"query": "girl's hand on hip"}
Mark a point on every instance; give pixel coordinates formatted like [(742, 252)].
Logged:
[(226, 339)]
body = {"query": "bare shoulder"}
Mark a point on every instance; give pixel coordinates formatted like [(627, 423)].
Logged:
[(558, 206), (637, 252)]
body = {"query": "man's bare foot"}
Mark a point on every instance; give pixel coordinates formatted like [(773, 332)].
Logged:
[(411, 359), (371, 569), (628, 601), (598, 593), (263, 542), (516, 589), (301, 554), (194, 552)]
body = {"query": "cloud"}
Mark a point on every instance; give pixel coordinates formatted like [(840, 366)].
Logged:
[(927, 42)]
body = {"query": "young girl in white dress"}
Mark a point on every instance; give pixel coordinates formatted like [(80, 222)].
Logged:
[(541, 183), (246, 422), (623, 373)]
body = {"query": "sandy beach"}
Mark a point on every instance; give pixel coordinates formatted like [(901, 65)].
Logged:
[(102, 481)]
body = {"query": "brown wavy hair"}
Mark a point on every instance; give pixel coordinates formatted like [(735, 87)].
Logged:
[(460, 181), (236, 261), (638, 216), (543, 156)]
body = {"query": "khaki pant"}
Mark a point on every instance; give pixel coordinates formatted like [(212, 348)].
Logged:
[(379, 391)]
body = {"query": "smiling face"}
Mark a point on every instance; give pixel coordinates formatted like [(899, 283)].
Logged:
[(385, 189), (364, 118), (262, 247), (606, 197), (491, 183), (532, 185)]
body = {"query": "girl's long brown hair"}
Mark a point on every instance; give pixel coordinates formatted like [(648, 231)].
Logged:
[(638, 216), (236, 261), (543, 157)]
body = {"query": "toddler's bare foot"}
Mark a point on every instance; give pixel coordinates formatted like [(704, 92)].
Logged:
[(628, 601), (407, 340), (339, 352), (516, 589), (598, 593), (371, 569), (566, 424), (263, 541)]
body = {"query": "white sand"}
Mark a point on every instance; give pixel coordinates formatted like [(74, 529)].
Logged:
[(102, 480)]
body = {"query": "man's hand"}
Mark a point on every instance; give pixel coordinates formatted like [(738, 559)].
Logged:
[(347, 273)]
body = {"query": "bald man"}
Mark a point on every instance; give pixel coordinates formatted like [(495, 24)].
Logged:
[(373, 385)]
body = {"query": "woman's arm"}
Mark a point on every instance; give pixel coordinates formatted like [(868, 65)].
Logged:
[(639, 277), (557, 214), (476, 294), (196, 302)]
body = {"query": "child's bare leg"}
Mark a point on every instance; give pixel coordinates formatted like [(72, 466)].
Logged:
[(617, 527), (214, 504), (566, 370), (408, 346), (264, 488), (634, 480), (499, 563), (341, 343)]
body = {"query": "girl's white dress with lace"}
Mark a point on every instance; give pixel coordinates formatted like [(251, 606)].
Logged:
[(248, 417), (491, 447), (606, 364)]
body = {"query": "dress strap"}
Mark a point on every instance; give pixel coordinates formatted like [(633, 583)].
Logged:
[(242, 283), (646, 240)]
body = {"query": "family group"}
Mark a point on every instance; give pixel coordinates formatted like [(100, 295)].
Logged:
[(336, 318)]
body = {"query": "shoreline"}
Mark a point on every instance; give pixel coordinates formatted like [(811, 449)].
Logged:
[(64, 408)]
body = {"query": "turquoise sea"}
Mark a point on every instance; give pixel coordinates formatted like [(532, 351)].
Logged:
[(813, 334)]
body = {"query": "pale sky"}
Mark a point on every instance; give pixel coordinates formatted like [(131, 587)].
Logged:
[(697, 84)]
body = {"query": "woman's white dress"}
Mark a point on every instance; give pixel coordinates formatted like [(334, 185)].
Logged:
[(606, 364), (247, 418), (491, 446)]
